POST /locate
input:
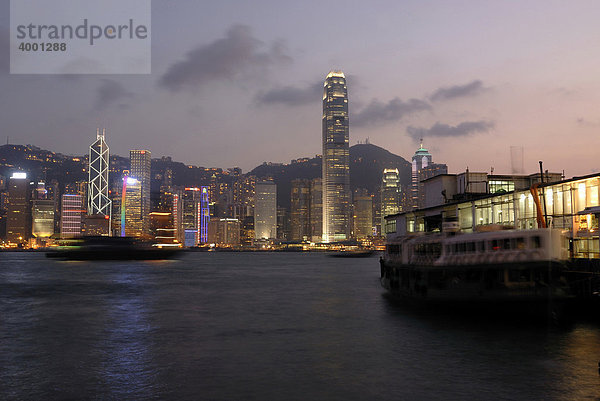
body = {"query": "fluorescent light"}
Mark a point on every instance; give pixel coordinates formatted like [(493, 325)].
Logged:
[(20, 176)]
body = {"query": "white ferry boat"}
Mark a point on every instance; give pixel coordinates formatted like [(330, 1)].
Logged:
[(478, 268)]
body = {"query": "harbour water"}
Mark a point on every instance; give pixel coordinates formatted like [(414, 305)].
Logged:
[(265, 326)]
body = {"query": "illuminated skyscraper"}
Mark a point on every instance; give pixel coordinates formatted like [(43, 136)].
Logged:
[(336, 159), (390, 194), (42, 212), (300, 210), (421, 159), (131, 208), (141, 162), (363, 213), (204, 214), (42, 216), (98, 200), (265, 210), (18, 224), (70, 215), (316, 210)]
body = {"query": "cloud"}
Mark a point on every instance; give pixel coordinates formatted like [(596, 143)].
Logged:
[(237, 53), (586, 123), (445, 131), (292, 96), (471, 89), (109, 92), (377, 112)]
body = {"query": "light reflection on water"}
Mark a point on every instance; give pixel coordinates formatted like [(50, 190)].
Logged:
[(264, 326)]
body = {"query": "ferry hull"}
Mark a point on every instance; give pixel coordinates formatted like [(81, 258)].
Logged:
[(537, 282)]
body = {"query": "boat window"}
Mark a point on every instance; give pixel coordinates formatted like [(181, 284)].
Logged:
[(481, 246), (536, 242), (495, 245), (520, 243), (506, 243), (448, 248), (470, 247), (461, 247)]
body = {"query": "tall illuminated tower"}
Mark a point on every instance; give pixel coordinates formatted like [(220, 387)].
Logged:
[(336, 159), (205, 214), (131, 208), (18, 224), (265, 210), (141, 161), (98, 200), (420, 160), (390, 194)]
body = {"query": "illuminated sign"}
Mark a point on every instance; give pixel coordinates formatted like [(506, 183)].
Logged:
[(19, 176)]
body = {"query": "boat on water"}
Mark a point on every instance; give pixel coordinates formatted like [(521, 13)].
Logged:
[(113, 248), (478, 269), (360, 253)]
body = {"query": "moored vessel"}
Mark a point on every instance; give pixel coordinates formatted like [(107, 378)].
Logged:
[(503, 267)]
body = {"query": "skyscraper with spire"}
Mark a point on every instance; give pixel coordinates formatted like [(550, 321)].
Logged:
[(423, 168), (421, 159), (98, 201), (336, 159)]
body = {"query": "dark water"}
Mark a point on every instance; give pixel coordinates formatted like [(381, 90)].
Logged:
[(218, 326)]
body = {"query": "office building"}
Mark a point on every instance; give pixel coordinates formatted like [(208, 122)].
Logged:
[(390, 193), (224, 232), (43, 210), (140, 161), (316, 210), (265, 210), (131, 208), (98, 200), (336, 159), (300, 210), (18, 223), (70, 215), (363, 214), (42, 216), (204, 214), (283, 224), (95, 225), (161, 228), (421, 159)]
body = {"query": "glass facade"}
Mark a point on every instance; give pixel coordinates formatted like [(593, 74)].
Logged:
[(300, 210), (572, 205), (70, 215), (420, 160), (140, 161), (42, 214), (336, 159), (390, 193), (98, 200), (265, 210), (133, 207)]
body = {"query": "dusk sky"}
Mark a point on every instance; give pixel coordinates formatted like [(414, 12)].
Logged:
[(239, 83)]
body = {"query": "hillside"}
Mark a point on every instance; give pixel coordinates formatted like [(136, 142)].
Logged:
[(367, 162)]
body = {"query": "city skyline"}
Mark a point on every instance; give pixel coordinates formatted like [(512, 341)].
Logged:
[(471, 76)]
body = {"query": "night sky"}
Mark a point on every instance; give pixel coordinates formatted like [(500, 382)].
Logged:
[(239, 83)]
